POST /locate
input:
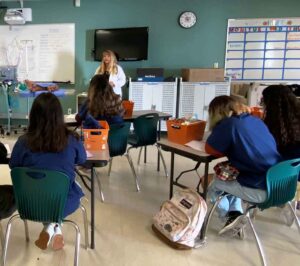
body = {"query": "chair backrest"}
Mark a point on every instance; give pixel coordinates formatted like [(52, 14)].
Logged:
[(40, 195), (145, 128), (281, 183), (117, 138)]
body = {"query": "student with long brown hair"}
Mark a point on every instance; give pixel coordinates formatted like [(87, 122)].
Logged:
[(282, 117), (102, 104), (109, 67), (48, 144), (251, 150)]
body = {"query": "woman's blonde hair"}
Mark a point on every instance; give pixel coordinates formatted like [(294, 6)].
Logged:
[(112, 67), (221, 107)]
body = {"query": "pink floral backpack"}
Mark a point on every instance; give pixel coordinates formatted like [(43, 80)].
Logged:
[(180, 219)]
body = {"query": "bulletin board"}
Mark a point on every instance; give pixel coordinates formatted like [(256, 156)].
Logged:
[(263, 49), (41, 52)]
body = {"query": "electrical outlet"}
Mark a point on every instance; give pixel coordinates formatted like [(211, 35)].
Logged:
[(69, 111)]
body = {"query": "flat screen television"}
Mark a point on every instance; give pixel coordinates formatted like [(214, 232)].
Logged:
[(129, 44)]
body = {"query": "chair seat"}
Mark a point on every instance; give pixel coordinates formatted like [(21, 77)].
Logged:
[(7, 201)]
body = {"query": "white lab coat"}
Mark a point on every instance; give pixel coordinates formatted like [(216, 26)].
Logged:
[(118, 79)]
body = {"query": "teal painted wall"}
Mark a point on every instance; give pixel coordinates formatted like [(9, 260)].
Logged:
[(170, 46)]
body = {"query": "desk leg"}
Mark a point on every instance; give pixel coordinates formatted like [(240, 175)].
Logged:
[(172, 174), (205, 183), (92, 208), (158, 137), (145, 154)]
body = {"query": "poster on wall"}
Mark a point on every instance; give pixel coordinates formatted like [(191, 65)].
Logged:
[(263, 49)]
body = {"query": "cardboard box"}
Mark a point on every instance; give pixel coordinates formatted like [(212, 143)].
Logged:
[(182, 134), (202, 74)]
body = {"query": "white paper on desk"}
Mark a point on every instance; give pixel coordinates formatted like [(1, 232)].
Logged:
[(88, 154), (70, 118), (196, 145)]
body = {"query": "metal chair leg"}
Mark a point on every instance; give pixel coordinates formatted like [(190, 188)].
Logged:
[(99, 185), (7, 235), (258, 243), (1, 236), (26, 230), (77, 244), (139, 157), (208, 217), (133, 171), (85, 223), (163, 160), (295, 215), (109, 166)]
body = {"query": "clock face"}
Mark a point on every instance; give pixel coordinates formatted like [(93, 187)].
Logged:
[(187, 19)]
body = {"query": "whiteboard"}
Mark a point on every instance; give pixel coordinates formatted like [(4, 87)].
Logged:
[(41, 52), (266, 49)]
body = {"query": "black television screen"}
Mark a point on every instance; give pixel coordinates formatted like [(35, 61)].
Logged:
[(129, 44)]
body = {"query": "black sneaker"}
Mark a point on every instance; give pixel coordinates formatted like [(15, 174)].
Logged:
[(235, 222)]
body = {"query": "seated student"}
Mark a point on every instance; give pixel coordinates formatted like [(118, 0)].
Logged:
[(102, 104), (48, 144), (282, 117), (249, 147)]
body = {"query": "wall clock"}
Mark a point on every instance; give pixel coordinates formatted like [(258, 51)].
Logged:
[(187, 19)]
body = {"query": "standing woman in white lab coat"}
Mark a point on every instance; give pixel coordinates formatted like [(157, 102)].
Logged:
[(115, 72)]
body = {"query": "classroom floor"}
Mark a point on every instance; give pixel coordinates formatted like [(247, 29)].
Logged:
[(123, 227)]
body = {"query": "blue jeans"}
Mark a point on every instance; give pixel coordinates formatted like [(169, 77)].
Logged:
[(233, 202)]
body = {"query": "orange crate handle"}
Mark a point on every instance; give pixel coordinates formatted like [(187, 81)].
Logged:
[(176, 126)]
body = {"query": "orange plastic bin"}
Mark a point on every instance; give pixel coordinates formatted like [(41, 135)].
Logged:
[(96, 139), (128, 107), (183, 133)]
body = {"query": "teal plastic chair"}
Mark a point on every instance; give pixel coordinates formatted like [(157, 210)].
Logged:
[(117, 142), (281, 189), (145, 133), (41, 196)]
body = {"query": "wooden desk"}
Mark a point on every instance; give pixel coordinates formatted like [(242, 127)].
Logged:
[(71, 122), (198, 156), (99, 158), (135, 114)]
